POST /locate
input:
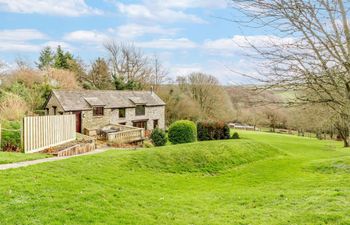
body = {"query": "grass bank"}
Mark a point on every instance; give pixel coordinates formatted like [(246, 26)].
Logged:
[(262, 179)]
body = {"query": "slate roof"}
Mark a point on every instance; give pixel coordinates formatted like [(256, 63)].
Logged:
[(75, 100), (93, 101)]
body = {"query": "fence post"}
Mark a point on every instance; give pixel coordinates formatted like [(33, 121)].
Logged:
[(22, 134)]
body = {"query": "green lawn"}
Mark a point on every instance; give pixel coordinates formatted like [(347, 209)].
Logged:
[(11, 157), (261, 179)]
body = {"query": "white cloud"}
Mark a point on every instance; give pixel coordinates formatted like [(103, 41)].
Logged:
[(18, 47), (27, 40), (157, 13), (54, 44), (19, 40), (21, 35), (129, 31), (184, 70), (180, 43), (184, 4), (168, 10), (86, 37), (225, 72), (239, 43), (49, 7)]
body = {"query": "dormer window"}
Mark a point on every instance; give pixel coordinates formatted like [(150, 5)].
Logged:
[(98, 111), (140, 110)]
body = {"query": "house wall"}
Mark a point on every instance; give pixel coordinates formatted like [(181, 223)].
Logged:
[(156, 113), (92, 122), (53, 101), (111, 116)]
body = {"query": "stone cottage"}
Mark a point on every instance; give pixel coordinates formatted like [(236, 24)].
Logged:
[(95, 109)]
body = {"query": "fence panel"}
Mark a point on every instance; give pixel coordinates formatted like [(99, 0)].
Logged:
[(41, 132)]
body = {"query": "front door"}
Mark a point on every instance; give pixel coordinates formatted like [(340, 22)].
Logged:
[(78, 121)]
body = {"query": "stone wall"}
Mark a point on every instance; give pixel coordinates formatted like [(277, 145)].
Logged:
[(54, 102), (77, 149), (95, 122), (111, 116)]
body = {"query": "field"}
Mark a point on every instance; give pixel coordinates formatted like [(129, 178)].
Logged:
[(261, 179)]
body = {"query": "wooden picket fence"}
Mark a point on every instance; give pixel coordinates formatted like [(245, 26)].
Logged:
[(42, 132)]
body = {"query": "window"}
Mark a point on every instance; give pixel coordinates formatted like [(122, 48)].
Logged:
[(140, 110), (155, 124), (54, 110), (122, 113), (140, 124), (97, 111), (47, 111)]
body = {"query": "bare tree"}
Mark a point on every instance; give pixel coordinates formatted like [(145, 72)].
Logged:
[(206, 90), (128, 63), (310, 51), (159, 73)]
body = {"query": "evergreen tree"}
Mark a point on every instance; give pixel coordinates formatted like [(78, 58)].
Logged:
[(76, 65), (61, 59), (46, 58)]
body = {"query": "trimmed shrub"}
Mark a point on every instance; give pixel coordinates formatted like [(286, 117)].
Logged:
[(235, 135), (212, 130), (158, 137), (11, 136), (227, 134), (182, 131)]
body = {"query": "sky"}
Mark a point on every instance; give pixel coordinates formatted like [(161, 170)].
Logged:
[(187, 35)]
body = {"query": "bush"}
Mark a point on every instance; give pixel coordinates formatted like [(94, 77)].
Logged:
[(235, 135), (227, 134), (11, 136), (158, 137), (182, 131), (212, 131)]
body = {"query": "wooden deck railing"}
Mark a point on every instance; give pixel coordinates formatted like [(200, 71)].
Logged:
[(127, 134)]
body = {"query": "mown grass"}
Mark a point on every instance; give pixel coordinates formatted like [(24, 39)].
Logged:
[(279, 186), (12, 157)]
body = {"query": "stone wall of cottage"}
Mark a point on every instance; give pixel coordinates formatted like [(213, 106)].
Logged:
[(90, 121), (51, 104), (111, 116)]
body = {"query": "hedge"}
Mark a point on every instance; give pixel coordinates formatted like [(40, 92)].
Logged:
[(182, 131), (11, 136), (212, 130)]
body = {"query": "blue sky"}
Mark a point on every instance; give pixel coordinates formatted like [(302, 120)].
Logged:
[(187, 35)]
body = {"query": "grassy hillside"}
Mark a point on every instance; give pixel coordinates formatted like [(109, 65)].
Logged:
[(206, 157), (239, 182)]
